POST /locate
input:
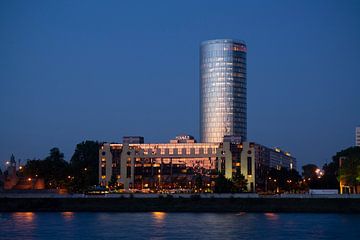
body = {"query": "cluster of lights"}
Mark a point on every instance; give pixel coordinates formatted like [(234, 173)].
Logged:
[(319, 173)]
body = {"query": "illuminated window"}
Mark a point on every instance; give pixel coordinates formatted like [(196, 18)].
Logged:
[(197, 150)]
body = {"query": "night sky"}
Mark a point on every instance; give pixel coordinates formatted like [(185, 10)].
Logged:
[(98, 70)]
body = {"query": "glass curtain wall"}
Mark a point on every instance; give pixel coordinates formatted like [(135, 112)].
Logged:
[(222, 90)]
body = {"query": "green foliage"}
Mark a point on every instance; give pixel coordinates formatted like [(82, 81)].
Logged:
[(309, 171), (349, 171), (53, 169), (198, 182), (223, 185), (113, 181), (284, 180), (77, 176), (85, 166), (239, 183), (330, 178)]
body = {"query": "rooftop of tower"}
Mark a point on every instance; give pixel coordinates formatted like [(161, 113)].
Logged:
[(225, 40)]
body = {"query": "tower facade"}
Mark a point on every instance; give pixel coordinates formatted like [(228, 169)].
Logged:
[(222, 90)]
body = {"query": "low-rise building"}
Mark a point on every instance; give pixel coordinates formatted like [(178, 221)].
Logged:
[(177, 165)]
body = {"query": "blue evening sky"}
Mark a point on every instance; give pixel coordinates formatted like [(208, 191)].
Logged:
[(98, 70)]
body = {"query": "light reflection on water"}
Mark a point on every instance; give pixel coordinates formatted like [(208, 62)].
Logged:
[(159, 216), (23, 217), (161, 225), (68, 216), (271, 216)]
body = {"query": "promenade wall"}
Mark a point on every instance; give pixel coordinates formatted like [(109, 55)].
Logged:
[(181, 203)]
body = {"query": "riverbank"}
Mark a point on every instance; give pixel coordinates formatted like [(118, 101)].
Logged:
[(193, 203)]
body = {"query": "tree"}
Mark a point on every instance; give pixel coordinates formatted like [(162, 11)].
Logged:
[(347, 174), (284, 180), (113, 181), (85, 165), (349, 167), (330, 178), (239, 183), (54, 169), (309, 171), (57, 169), (222, 184), (198, 182)]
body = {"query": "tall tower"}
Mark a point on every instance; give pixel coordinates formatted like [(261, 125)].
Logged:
[(357, 136), (222, 90)]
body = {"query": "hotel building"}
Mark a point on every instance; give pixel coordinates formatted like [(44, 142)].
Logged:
[(223, 131), (177, 164)]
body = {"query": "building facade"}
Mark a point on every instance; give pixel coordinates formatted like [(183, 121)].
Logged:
[(260, 160), (357, 136), (222, 90), (177, 165), (174, 165)]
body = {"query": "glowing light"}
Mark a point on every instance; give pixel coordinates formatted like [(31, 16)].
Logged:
[(68, 215), (7, 162), (271, 216), (29, 179), (20, 168), (23, 217), (85, 169), (159, 216)]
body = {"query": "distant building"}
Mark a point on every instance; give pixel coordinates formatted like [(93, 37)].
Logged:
[(11, 178), (233, 139), (14, 182), (133, 139), (176, 164), (357, 136)]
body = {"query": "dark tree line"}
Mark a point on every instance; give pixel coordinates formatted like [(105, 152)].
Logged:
[(237, 184), (333, 173), (77, 175)]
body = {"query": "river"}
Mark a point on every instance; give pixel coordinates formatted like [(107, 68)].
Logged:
[(160, 225)]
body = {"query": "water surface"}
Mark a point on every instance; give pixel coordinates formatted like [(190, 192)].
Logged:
[(159, 225)]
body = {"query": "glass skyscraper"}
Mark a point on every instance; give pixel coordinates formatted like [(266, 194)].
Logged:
[(222, 90)]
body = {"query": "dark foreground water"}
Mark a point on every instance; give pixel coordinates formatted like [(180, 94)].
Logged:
[(159, 225)]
